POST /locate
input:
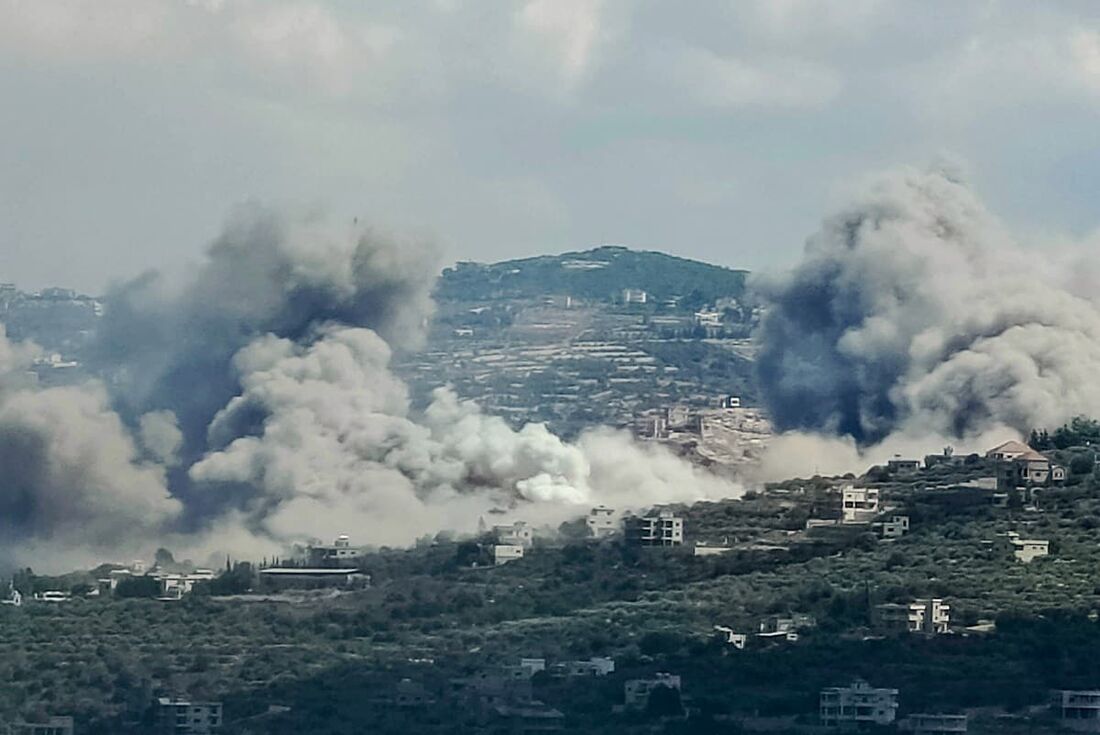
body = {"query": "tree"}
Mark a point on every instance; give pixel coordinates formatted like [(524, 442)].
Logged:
[(144, 586), (664, 702)]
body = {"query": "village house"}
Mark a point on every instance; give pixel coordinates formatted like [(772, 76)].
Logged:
[(662, 529), (930, 616), (1027, 550), (896, 527), (514, 534), (279, 578), (859, 504), (183, 717), (1018, 465), (728, 636), (902, 466), (1078, 709), (504, 553), (340, 554), (601, 522), (858, 705), (636, 691), (529, 719), (777, 626), (13, 597)]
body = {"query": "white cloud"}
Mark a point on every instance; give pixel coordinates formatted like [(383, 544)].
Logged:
[(728, 82)]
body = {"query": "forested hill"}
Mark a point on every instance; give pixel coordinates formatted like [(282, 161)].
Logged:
[(600, 274)]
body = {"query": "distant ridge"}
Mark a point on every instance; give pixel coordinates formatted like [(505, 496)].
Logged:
[(600, 274)]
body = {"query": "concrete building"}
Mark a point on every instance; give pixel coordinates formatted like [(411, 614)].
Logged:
[(529, 719), (928, 724), (728, 636), (51, 726), (858, 705), (902, 466), (636, 691), (340, 554), (515, 534), (779, 624), (504, 553), (859, 504), (896, 527), (175, 586), (601, 522), (1008, 451), (183, 717), (1027, 550), (930, 616), (1078, 709), (634, 296), (663, 529)]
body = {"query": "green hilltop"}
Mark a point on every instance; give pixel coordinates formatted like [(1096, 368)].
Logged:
[(598, 274)]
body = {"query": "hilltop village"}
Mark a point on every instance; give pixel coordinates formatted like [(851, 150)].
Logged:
[(943, 593)]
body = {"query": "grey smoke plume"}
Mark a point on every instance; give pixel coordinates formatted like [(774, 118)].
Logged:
[(914, 311), (251, 405), (72, 474)]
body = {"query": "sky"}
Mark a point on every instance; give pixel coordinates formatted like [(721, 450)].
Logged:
[(724, 131)]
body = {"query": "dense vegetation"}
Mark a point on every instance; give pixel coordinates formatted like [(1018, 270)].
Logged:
[(662, 276), (333, 658)]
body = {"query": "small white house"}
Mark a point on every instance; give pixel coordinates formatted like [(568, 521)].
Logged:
[(1027, 550), (504, 553)]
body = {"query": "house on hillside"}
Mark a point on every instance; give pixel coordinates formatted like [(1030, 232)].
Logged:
[(1078, 709), (47, 726), (515, 534), (930, 616), (601, 522), (663, 529), (900, 466), (1018, 465), (1008, 451), (927, 724), (859, 504), (858, 705)]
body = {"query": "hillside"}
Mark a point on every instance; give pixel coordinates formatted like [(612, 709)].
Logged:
[(598, 274)]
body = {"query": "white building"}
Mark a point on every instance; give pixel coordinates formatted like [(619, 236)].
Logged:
[(340, 554), (930, 615), (175, 586), (516, 534), (859, 504), (13, 597), (663, 529), (737, 640), (182, 717), (927, 724), (1027, 550), (708, 318), (634, 296), (858, 705), (637, 691), (601, 522), (504, 553), (1078, 709)]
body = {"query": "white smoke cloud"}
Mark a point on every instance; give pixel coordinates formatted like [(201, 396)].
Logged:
[(340, 453)]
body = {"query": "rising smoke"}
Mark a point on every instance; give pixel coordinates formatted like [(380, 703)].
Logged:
[(914, 314), (250, 405)]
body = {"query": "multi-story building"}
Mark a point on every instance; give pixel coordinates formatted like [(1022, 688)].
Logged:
[(896, 527), (859, 504), (601, 522), (637, 691), (1078, 709), (663, 529), (340, 554), (183, 717), (858, 705), (515, 534), (929, 724), (930, 616)]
